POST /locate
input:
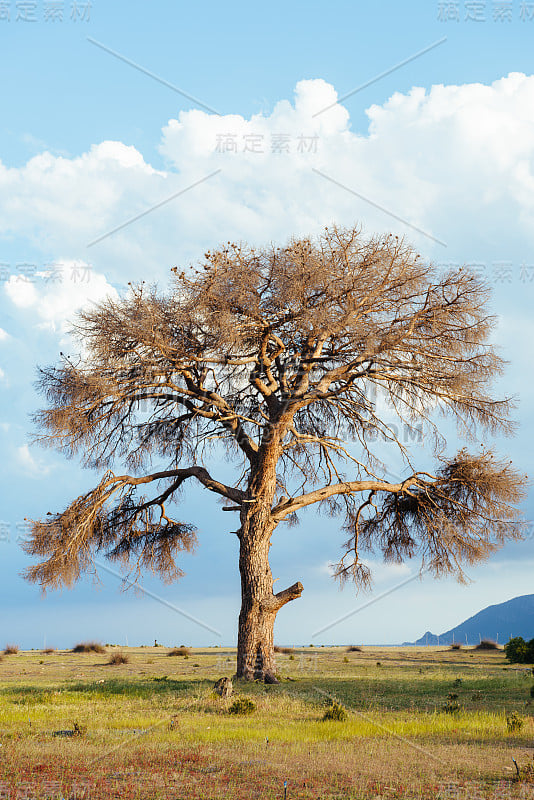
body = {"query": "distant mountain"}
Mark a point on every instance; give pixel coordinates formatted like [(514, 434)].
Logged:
[(498, 622)]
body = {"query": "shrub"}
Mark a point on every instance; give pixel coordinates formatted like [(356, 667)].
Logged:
[(89, 647), (456, 646), (514, 722), (79, 730), (532, 691), (452, 705), (335, 711), (354, 649), (487, 644), (119, 658), (524, 773), (242, 705), (518, 651), (11, 649), (180, 651), (284, 650), (48, 651)]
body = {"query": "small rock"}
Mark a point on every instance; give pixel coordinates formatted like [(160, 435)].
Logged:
[(224, 687)]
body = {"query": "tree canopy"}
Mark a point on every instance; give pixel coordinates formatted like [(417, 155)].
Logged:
[(283, 357)]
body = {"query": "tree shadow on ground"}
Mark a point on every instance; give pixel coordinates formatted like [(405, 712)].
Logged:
[(114, 686)]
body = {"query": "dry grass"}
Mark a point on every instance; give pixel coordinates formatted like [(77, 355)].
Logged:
[(89, 647), (48, 651), (11, 649), (286, 651)]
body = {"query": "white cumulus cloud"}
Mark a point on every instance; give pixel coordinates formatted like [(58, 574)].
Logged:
[(54, 296), (456, 162)]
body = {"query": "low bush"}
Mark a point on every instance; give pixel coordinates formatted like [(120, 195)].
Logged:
[(48, 651), (452, 706), (89, 647), (514, 722), (119, 658), (180, 651), (78, 730), (335, 711), (354, 649), (487, 644), (242, 705), (525, 773), (284, 650), (11, 649)]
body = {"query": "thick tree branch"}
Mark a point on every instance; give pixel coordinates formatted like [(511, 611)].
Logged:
[(180, 475), (283, 510), (278, 600)]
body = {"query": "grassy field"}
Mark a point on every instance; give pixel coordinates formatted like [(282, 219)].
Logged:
[(153, 727)]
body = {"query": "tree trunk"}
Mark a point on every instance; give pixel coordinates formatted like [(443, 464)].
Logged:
[(259, 606)]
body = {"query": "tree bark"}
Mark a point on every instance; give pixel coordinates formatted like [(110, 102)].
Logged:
[(259, 606)]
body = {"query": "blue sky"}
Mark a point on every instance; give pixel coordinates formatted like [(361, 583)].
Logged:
[(439, 148)]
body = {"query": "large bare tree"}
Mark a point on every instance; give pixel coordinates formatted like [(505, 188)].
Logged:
[(281, 356)]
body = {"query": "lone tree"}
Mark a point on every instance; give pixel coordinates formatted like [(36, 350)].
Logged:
[(283, 356)]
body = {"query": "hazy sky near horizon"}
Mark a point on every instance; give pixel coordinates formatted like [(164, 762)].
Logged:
[(242, 122)]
